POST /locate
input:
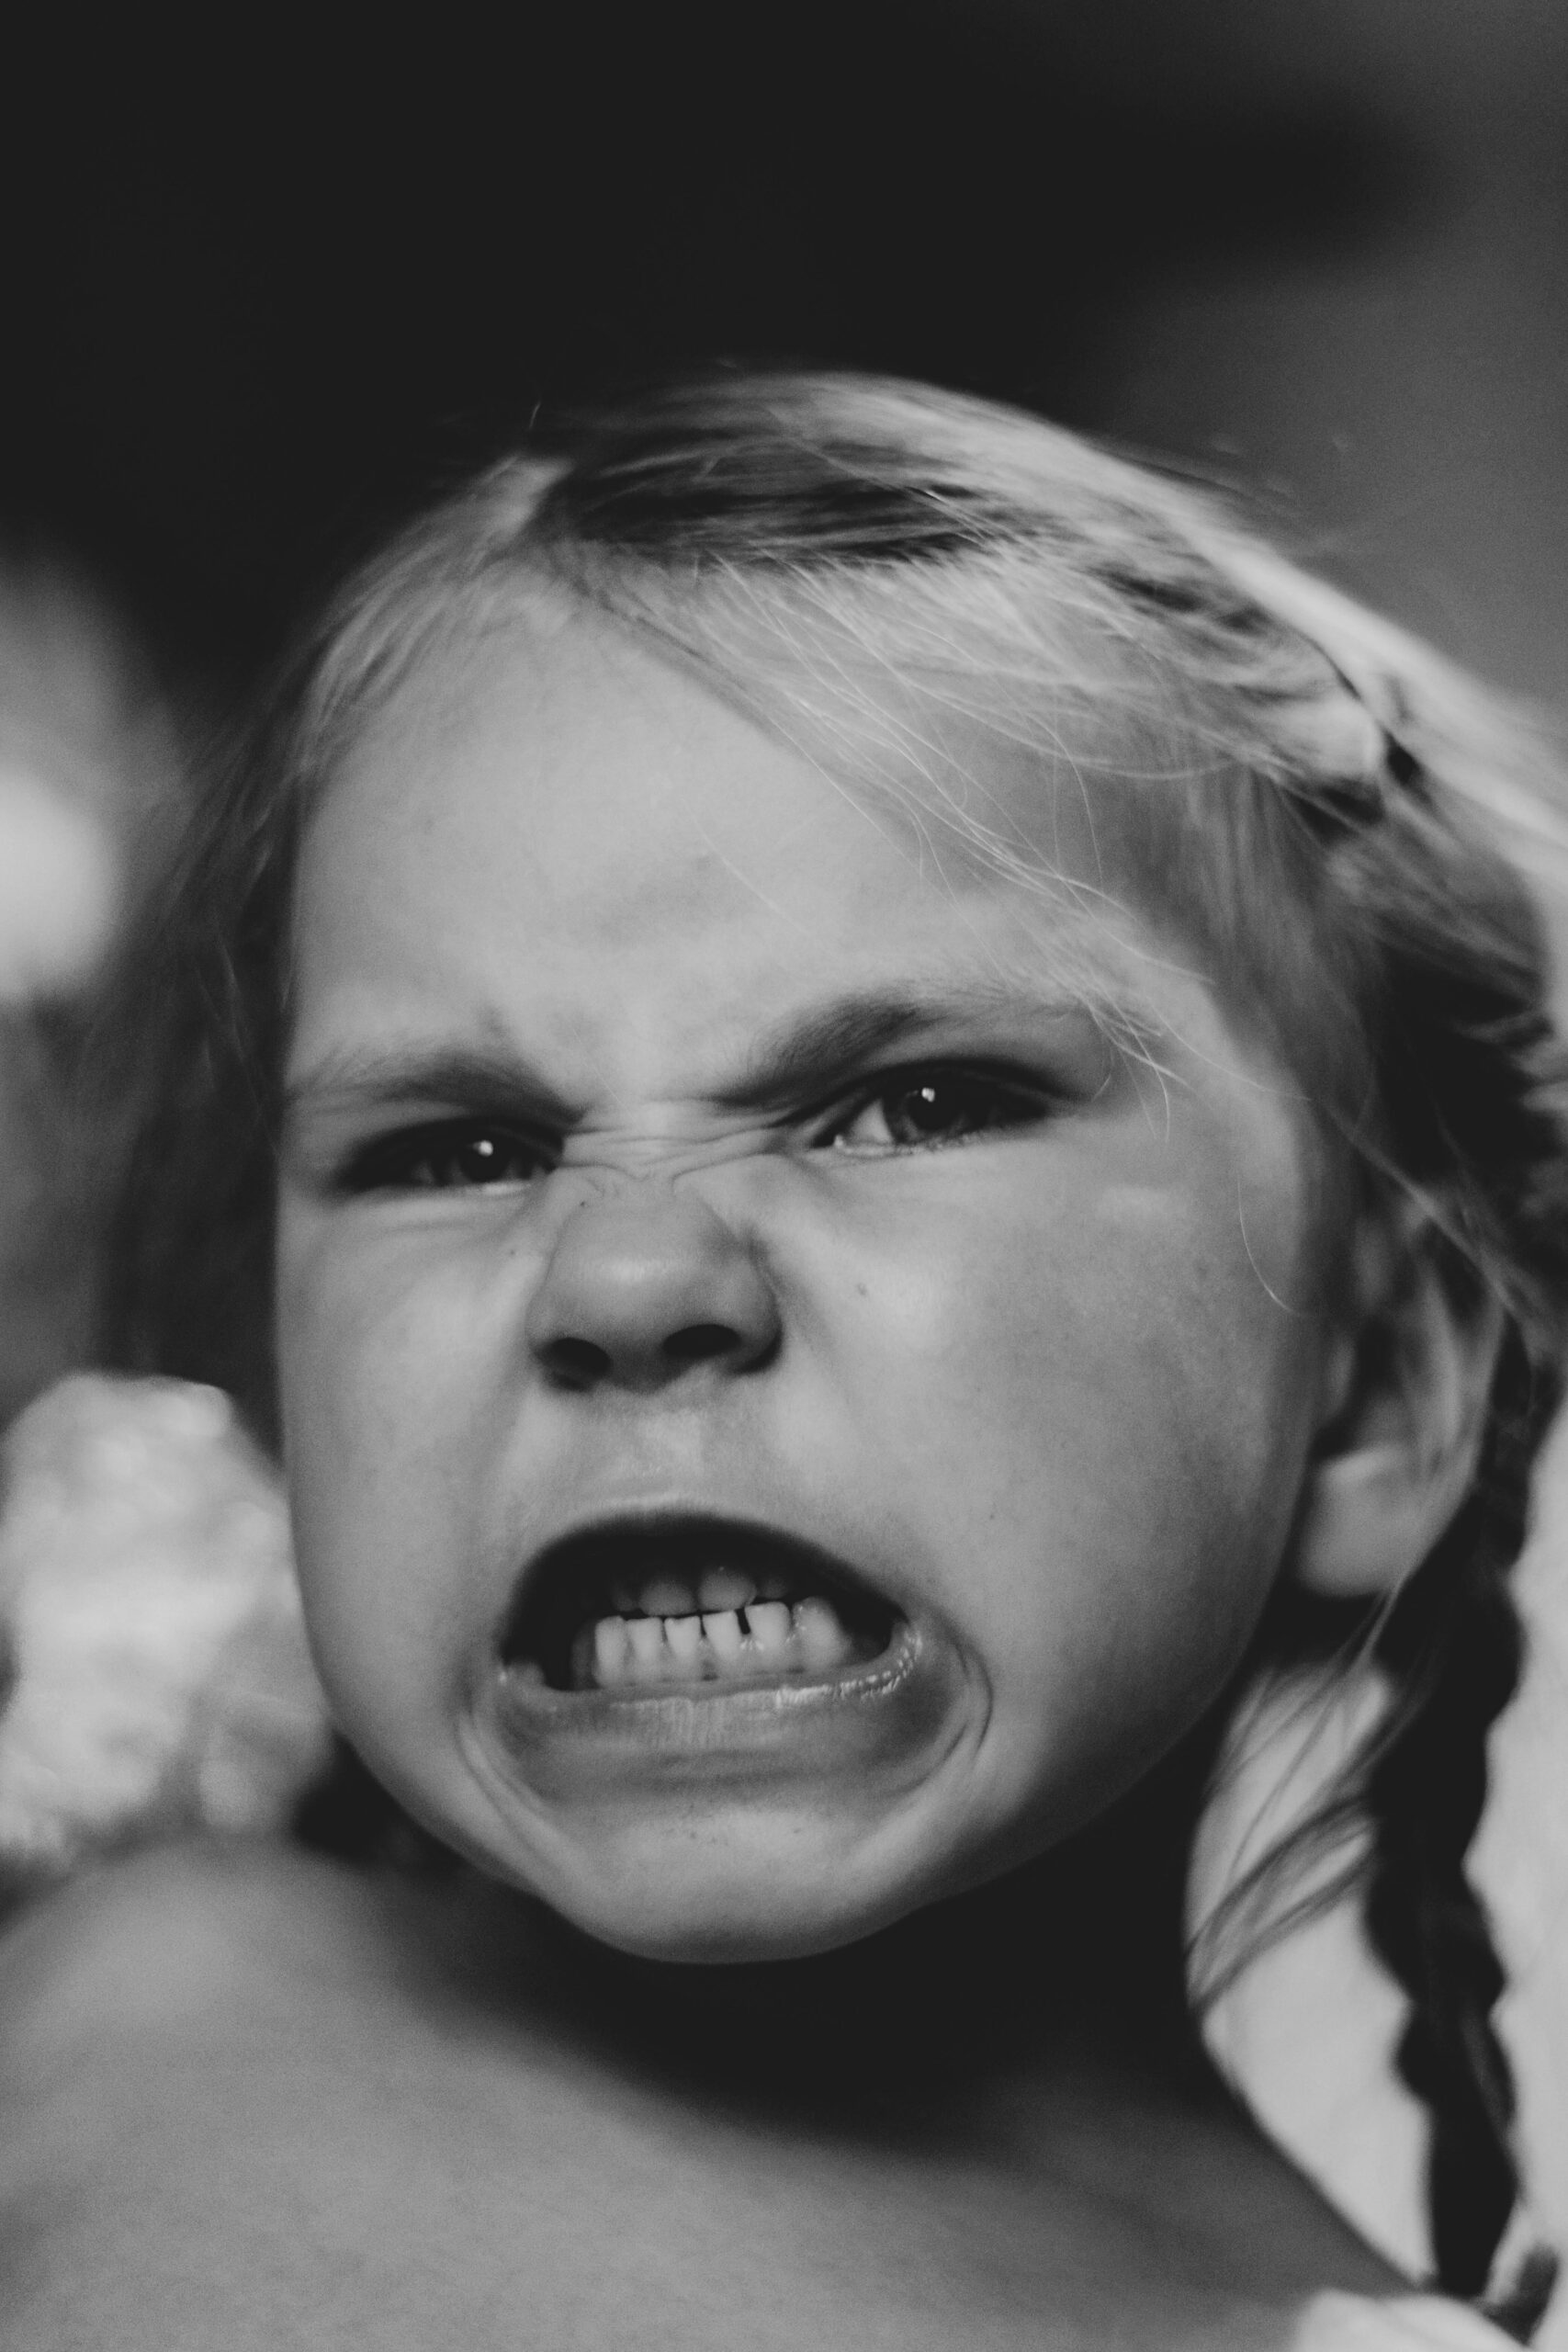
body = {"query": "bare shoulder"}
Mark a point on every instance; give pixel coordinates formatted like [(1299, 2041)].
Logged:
[(194, 2076), (252, 2099), (208, 1938)]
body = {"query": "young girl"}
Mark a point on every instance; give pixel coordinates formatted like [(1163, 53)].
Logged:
[(901, 1127)]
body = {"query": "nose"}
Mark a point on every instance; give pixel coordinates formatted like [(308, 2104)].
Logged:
[(638, 1292)]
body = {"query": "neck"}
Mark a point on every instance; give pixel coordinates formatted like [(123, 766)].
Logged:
[(1072, 1962)]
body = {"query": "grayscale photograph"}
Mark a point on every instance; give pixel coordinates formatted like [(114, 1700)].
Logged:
[(783, 1179)]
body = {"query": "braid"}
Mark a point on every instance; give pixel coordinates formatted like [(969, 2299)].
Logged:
[(1452, 1646), (1468, 1077), (1472, 1080)]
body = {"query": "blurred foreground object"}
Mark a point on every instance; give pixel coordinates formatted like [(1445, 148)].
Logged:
[(58, 886), (92, 789), (89, 776), (160, 1681)]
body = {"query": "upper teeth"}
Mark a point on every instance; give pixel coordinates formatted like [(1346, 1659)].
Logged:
[(765, 1637), (668, 1593)]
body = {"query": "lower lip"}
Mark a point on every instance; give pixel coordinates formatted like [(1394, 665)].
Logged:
[(566, 1742)]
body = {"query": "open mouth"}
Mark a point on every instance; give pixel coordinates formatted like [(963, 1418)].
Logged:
[(640, 1605)]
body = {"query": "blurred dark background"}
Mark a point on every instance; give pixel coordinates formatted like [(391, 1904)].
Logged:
[(268, 277)]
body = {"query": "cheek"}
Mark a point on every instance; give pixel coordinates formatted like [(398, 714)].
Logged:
[(1091, 1415), (394, 1373), (1082, 1337)]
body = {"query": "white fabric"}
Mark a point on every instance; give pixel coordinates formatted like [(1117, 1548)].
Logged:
[(1521, 1857), (1412, 2323), (1307, 2033)]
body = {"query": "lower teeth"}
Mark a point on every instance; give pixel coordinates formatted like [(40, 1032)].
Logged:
[(768, 1637)]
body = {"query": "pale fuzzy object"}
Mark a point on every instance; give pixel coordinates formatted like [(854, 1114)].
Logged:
[(148, 1603), (90, 775), (58, 885)]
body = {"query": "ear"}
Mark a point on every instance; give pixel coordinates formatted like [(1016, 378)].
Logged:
[(1406, 1389)]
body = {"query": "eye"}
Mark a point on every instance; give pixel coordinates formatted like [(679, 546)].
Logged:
[(450, 1156), (938, 1106)]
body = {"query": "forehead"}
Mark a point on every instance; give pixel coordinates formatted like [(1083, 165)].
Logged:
[(558, 798)]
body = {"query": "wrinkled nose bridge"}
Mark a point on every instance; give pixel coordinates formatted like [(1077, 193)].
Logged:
[(646, 1278)]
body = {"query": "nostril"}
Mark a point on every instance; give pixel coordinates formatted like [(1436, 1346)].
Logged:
[(699, 1342), (576, 1364)]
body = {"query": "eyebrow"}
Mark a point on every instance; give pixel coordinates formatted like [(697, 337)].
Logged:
[(819, 1049), (807, 1053), (364, 1077)]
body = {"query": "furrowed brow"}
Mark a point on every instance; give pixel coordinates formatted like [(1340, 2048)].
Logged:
[(809, 1053), (816, 1050), (367, 1079)]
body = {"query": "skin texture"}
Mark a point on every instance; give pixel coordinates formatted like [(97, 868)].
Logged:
[(1048, 1386), (253, 2101)]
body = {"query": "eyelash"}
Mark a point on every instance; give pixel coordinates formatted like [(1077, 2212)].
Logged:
[(989, 1102), (394, 1163)]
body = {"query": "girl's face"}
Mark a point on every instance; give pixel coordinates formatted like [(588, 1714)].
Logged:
[(784, 1419)]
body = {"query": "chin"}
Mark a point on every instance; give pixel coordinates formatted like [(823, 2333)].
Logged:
[(724, 1927), (743, 1892)]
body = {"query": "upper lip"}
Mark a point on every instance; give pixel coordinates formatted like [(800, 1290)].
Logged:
[(554, 1588)]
